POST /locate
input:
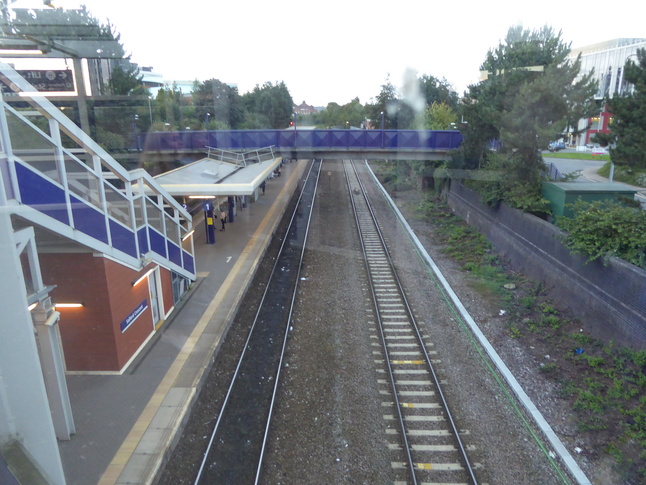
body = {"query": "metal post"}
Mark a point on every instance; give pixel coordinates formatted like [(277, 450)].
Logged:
[(209, 223), (150, 113), (82, 95)]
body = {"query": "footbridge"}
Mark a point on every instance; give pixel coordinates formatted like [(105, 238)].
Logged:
[(311, 143)]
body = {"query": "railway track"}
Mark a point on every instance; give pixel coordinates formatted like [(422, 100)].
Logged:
[(236, 446), (426, 445)]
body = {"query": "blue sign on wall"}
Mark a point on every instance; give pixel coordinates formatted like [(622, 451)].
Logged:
[(134, 315)]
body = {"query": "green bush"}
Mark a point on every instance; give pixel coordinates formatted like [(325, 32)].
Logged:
[(603, 229)]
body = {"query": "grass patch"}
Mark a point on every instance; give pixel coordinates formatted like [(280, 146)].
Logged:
[(625, 174), (577, 156)]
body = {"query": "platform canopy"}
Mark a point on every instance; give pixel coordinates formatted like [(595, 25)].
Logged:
[(209, 177)]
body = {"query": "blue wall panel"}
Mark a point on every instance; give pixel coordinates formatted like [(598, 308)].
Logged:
[(157, 242), (189, 262), (123, 239), (174, 253), (337, 138), (41, 194), (88, 220), (143, 240)]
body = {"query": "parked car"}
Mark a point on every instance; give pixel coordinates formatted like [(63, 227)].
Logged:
[(555, 146)]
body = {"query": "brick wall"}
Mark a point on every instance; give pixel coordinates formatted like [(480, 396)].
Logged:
[(92, 337), (87, 334), (609, 300)]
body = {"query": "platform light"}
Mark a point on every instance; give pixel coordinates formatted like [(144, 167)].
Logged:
[(68, 305), (188, 235), (201, 196), (143, 277), (32, 306)]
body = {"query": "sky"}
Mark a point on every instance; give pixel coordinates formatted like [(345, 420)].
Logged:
[(337, 50)]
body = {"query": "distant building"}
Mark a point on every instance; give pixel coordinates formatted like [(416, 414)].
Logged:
[(305, 109), (151, 79), (607, 60)]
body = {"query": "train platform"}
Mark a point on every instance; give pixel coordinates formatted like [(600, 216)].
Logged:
[(126, 424)]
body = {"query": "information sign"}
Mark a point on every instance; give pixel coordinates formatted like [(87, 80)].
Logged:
[(49, 80)]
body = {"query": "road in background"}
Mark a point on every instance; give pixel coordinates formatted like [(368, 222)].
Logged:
[(588, 168)]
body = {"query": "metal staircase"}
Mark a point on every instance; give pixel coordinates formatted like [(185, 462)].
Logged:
[(58, 180)]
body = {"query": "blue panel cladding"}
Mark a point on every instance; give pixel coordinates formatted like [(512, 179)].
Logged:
[(373, 139), (174, 253), (250, 139), (189, 262), (157, 242), (88, 220), (123, 239), (286, 138), (143, 240), (356, 138), (41, 194)]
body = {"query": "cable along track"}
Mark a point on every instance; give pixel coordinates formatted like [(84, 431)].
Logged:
[(236, 447), (430, 444)]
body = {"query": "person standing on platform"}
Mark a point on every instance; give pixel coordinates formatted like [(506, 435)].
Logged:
[(223, 219), (262, 186)]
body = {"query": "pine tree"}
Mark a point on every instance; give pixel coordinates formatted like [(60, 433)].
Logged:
[(629, 125)]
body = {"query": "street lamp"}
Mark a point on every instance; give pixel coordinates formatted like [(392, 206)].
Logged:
[(206, 121), (150, 111), (382, 121), (134, 128), (294, 121)]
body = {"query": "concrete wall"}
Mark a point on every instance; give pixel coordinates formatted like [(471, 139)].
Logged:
[(609, 300)]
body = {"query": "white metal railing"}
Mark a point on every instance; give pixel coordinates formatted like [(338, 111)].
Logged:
[(241, 158), (86, 170)]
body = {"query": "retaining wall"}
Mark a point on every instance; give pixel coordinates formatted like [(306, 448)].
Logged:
[(609, 300)]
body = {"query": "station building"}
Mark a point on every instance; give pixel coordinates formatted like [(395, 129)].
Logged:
[(93, 259), (606, 60)]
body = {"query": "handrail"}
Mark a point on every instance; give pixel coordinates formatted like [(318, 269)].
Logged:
[(87, 173), (47, 109), (241, 158)]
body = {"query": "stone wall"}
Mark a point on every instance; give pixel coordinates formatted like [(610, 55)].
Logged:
[(610, 300)]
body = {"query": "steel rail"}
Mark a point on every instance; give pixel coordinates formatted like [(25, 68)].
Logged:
[(415, 327), (287, 326), (409, 457), (246, 345)]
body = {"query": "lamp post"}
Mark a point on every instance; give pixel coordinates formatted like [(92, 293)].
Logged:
[(294, 121), (206, 121), (382, 129), (150, 112), (134, 129)]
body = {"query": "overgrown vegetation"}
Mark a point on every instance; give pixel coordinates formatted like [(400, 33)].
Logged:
[(602, 229), (630, 175), (532, 94), (604, 384)]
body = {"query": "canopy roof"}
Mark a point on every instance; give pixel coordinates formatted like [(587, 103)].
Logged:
[(208, 177)]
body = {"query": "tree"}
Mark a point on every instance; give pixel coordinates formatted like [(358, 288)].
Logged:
[(350, 114), (532, 94), (269, 106), (438, 91), (439, 116), (126, 80), (386, 103), (221, 101), (629, 125)]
